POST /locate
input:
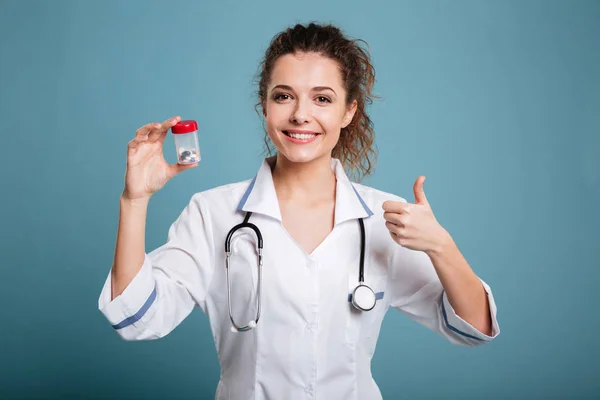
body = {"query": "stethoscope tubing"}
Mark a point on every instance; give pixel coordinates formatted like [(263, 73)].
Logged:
[(253, 323), (244, 224)]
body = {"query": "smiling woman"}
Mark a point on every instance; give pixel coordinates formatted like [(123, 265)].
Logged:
[(337, 254), (301, 111), (317, 73)]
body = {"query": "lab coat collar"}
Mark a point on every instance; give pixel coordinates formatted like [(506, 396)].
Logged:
[(260, 197)]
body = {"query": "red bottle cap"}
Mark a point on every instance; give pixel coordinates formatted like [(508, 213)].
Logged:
[(186, 126)]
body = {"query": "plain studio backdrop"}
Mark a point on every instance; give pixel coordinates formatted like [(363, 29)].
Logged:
[(496, 102)]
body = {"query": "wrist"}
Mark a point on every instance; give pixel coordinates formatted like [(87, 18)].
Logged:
[(442, 245), (136, 202)]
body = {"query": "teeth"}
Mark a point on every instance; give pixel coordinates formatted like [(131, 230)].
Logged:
[(302, 136)]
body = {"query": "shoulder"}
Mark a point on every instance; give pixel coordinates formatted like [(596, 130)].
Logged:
[(228, 195)]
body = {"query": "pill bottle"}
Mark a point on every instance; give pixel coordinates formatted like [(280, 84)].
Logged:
[(186, 141)]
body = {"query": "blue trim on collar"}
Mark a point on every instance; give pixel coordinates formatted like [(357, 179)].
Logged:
[(367, 209), (246, 195)]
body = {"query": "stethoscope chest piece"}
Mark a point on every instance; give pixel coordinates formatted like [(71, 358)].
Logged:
[(363, 298)]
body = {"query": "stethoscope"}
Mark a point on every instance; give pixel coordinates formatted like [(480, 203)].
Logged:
[(363, 297)]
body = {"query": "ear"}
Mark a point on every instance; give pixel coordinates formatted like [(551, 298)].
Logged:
[(350, 111)]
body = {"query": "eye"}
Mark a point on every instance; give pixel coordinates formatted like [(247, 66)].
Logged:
[(323, 99), (281, 96)]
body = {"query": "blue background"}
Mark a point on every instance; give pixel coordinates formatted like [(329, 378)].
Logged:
[(496, 102)]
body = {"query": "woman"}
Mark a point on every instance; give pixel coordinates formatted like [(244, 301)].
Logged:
[(311, 340)]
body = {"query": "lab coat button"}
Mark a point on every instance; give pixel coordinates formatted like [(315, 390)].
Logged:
[(311, 327), (309, 390)]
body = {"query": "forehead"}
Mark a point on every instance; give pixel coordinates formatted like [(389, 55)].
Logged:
[(306, 70)]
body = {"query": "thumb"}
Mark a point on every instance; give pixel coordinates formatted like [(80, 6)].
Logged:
[(420, 197), (177, 168)]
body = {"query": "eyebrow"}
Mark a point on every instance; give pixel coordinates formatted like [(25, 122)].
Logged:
[(316, 88)]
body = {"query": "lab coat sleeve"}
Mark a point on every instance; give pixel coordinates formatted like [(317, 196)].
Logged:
[(416, 291), (172, 280)]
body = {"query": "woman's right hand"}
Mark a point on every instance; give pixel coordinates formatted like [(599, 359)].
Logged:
[(147, 170)]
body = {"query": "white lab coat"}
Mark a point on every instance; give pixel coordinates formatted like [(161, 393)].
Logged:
[(309, 342)]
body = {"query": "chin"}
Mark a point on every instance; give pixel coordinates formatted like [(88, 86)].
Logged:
[(301, 157)]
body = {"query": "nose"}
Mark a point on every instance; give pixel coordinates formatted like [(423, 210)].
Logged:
[(301, 113)]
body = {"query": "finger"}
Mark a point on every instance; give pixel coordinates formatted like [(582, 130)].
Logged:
[(402, 241), (145, 130), (397, 207), (394, 218), (136, 141), (160, 133), (397, 230), (418, 190), (175, 169)]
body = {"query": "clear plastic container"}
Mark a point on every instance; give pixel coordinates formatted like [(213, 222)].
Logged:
[(186, 141)]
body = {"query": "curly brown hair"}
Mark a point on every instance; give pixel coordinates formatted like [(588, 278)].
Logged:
[(355, 148)]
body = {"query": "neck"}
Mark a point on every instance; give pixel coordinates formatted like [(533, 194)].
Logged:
[(310, 181)]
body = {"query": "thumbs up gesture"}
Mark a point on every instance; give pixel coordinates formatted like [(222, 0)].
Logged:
[(413, 225)]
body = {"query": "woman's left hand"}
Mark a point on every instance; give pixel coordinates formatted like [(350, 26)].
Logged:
[(413, 225)]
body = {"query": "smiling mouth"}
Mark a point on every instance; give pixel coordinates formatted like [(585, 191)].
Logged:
[(301, 136)]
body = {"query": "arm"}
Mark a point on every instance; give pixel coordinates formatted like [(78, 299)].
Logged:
[(153, 297), (147, 295), (436, 274), (416, 290), (465, 292), (130, 248)]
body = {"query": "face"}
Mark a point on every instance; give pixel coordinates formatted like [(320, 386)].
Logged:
[(305, 107)]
